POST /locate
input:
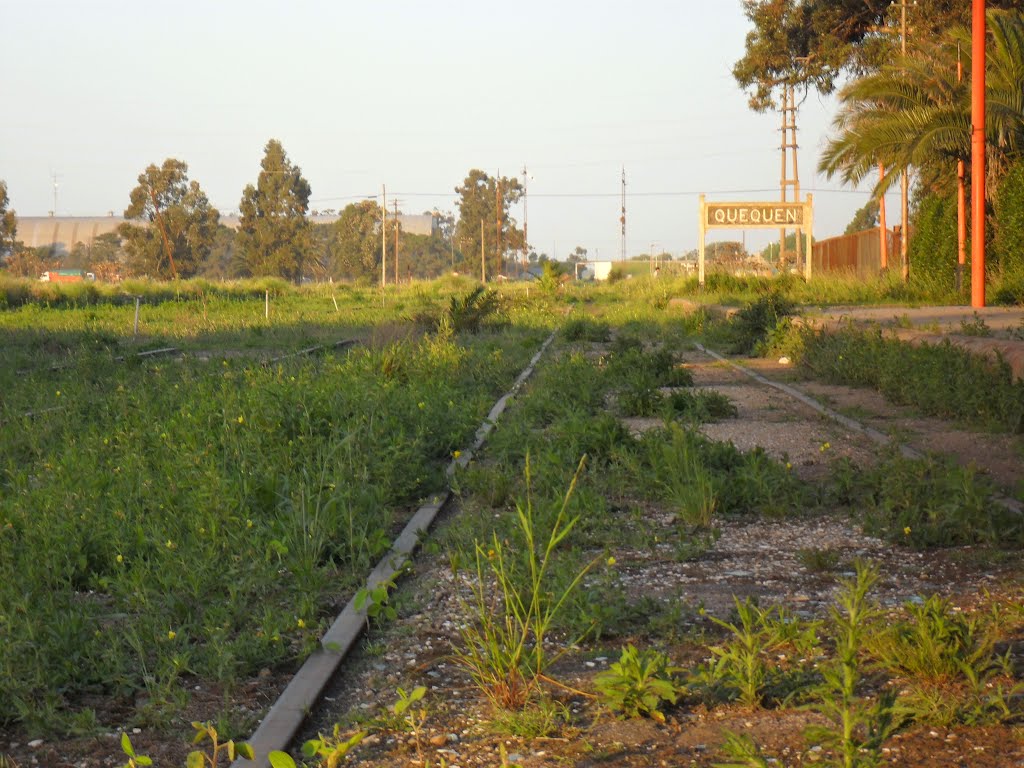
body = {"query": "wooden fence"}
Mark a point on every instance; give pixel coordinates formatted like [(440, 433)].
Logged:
[(858, 254)]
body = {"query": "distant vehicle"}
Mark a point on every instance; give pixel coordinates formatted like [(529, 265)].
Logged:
[(66, 276)]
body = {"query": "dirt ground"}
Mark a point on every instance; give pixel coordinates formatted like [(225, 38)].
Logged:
[(763, 559)]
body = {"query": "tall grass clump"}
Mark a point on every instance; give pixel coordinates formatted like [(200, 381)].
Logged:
[(517, 595), (703, 476)]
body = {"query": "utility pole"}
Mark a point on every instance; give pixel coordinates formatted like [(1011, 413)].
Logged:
[(622, 218), (396, 280), (978, 153), (483, 259), (526, 239), (883, 232), (961, 200), (497, 222), (383, 236)]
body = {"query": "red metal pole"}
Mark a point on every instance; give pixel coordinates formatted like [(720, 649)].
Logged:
[(978, 153), (961, 200), (883, 232)]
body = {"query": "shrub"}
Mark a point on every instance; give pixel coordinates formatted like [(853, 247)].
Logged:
[(933, 248), (757, 321), (1009, 225)]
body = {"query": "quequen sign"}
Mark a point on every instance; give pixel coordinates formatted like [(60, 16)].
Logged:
[(782, 216), (770, 215)]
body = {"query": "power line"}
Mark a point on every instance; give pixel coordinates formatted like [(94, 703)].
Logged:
[(585, 195)]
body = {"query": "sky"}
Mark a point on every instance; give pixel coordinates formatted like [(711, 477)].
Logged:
[(410, 96)]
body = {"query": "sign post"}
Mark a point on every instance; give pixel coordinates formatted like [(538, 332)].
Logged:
[(799, 216)]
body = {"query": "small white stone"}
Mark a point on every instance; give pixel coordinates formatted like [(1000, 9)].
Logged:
[(35, 743)]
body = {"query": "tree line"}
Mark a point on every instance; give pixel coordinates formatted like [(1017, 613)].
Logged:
[(171, 231)]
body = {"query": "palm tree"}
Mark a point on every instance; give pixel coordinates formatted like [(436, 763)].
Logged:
[(917, 112)]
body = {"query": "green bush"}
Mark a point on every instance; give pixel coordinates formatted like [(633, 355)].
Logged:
[(933, 246), (759, 320), (1008, 225), (585, 329)]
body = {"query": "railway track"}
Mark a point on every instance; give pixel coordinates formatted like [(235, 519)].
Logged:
[(281, 723), (302, 701)]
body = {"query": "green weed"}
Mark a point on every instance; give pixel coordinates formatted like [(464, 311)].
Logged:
[(700, 406), (818, 560), (743, 752), (947, 665), (743, 666), (638, 683), (585, 329), (505, 649), (975, 327), (859, 729), (930, 502), (753, 326)]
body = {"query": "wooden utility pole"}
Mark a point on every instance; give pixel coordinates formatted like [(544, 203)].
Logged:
[(397, 281), (483, 259), (526, 239), (789, 146), (978, 153), (383, 236), (497, 222)]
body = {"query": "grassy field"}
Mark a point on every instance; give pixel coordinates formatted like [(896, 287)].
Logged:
[(202, 515)]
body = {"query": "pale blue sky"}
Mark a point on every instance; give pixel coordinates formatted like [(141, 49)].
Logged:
[(411, 95)]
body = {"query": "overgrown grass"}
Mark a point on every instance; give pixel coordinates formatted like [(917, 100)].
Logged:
[(941, 380), (166, 518), (930, 502)]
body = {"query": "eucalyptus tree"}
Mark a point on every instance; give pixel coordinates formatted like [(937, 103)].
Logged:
[(273, 232), (354, 246), (484, 204), (816, 43), (170, 225)]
